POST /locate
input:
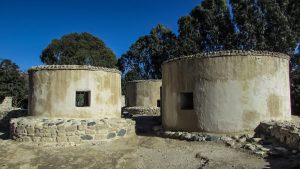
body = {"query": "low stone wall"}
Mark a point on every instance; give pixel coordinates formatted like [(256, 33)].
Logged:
[(30, 129), (142, 110), (6, 115), (287, 133)]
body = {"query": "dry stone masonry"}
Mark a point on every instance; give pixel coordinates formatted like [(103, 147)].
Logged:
[(285, 132), (32, 129)]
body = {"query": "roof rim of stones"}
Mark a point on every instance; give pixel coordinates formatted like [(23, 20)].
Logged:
[(73, 67), (227, 53), (144, 80)]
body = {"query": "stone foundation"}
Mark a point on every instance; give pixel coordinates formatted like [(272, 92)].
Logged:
[(142, 110), (31, 129), (6, 115), (285, 132)]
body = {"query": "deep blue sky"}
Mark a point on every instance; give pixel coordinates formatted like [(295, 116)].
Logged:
[(28, 26)]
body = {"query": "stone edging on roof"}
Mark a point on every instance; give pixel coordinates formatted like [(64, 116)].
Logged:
[(73, 67), (227, 53), (145, 80)]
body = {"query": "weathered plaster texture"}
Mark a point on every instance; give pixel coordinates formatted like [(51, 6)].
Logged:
[(31, 129), (53, 91), (232, 91), (143, 93)]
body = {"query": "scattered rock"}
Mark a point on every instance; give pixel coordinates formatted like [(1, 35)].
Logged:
[(250, 146), (230, 143), (257, 139)]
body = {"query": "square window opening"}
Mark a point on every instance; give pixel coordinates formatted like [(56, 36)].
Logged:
[(83, 98), (186, 101), (158, 103)]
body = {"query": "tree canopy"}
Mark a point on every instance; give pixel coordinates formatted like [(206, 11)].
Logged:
[(208, 27), (78, 49), (146, 55), (266, 24), (214, 25), (13, 83)]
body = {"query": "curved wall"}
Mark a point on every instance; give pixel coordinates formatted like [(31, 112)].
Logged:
[(224, 92), (143, 93), (53, 91)]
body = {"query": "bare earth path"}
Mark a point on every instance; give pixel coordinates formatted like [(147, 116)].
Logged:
[(140, 152)]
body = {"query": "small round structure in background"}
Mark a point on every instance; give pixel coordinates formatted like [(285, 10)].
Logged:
[(143, 97)]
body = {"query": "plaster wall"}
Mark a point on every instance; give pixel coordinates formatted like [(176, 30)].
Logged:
[(143, 93), (6, 104), (232, 92), (53, 91)]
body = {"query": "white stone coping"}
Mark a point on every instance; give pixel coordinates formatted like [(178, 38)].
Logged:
[(73, 67), (228, 53)]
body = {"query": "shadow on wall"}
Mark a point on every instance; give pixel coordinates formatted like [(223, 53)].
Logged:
[(5, 117)]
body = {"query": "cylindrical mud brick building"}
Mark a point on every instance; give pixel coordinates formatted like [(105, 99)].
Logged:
[(225, 92), (74, 91), (143, 93)]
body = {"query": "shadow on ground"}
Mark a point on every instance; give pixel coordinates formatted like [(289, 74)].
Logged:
[(144, 124)]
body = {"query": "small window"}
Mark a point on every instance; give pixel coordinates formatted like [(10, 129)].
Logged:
[(186, 101), (158, 103), (83, 98)]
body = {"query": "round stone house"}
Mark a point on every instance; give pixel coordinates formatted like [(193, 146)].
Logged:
[(143, 96), (225, 92), (74, 91), (145, 93), (73, 104)]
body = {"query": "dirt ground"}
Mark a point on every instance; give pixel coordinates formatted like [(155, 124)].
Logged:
[(140, 152)]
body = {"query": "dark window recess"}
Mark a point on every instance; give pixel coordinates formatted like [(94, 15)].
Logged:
[(186, 101), (158, 103), (83, 98)]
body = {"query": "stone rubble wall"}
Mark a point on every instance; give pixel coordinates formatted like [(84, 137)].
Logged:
[(142, 110), (6, 104), (285, 132), (30, 129), (6, 115)]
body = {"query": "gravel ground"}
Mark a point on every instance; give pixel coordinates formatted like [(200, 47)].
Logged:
[(140, 152)]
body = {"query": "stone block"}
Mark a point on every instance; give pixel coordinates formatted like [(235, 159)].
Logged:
[(87, 137), (20, 129), (61, 139), (36, 139), (74, 139), (111, 135), (81, 127), (89, 131), (100, 136), (60, 134), (121, 133), (70, 128), (48, 139), (70, 134)]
